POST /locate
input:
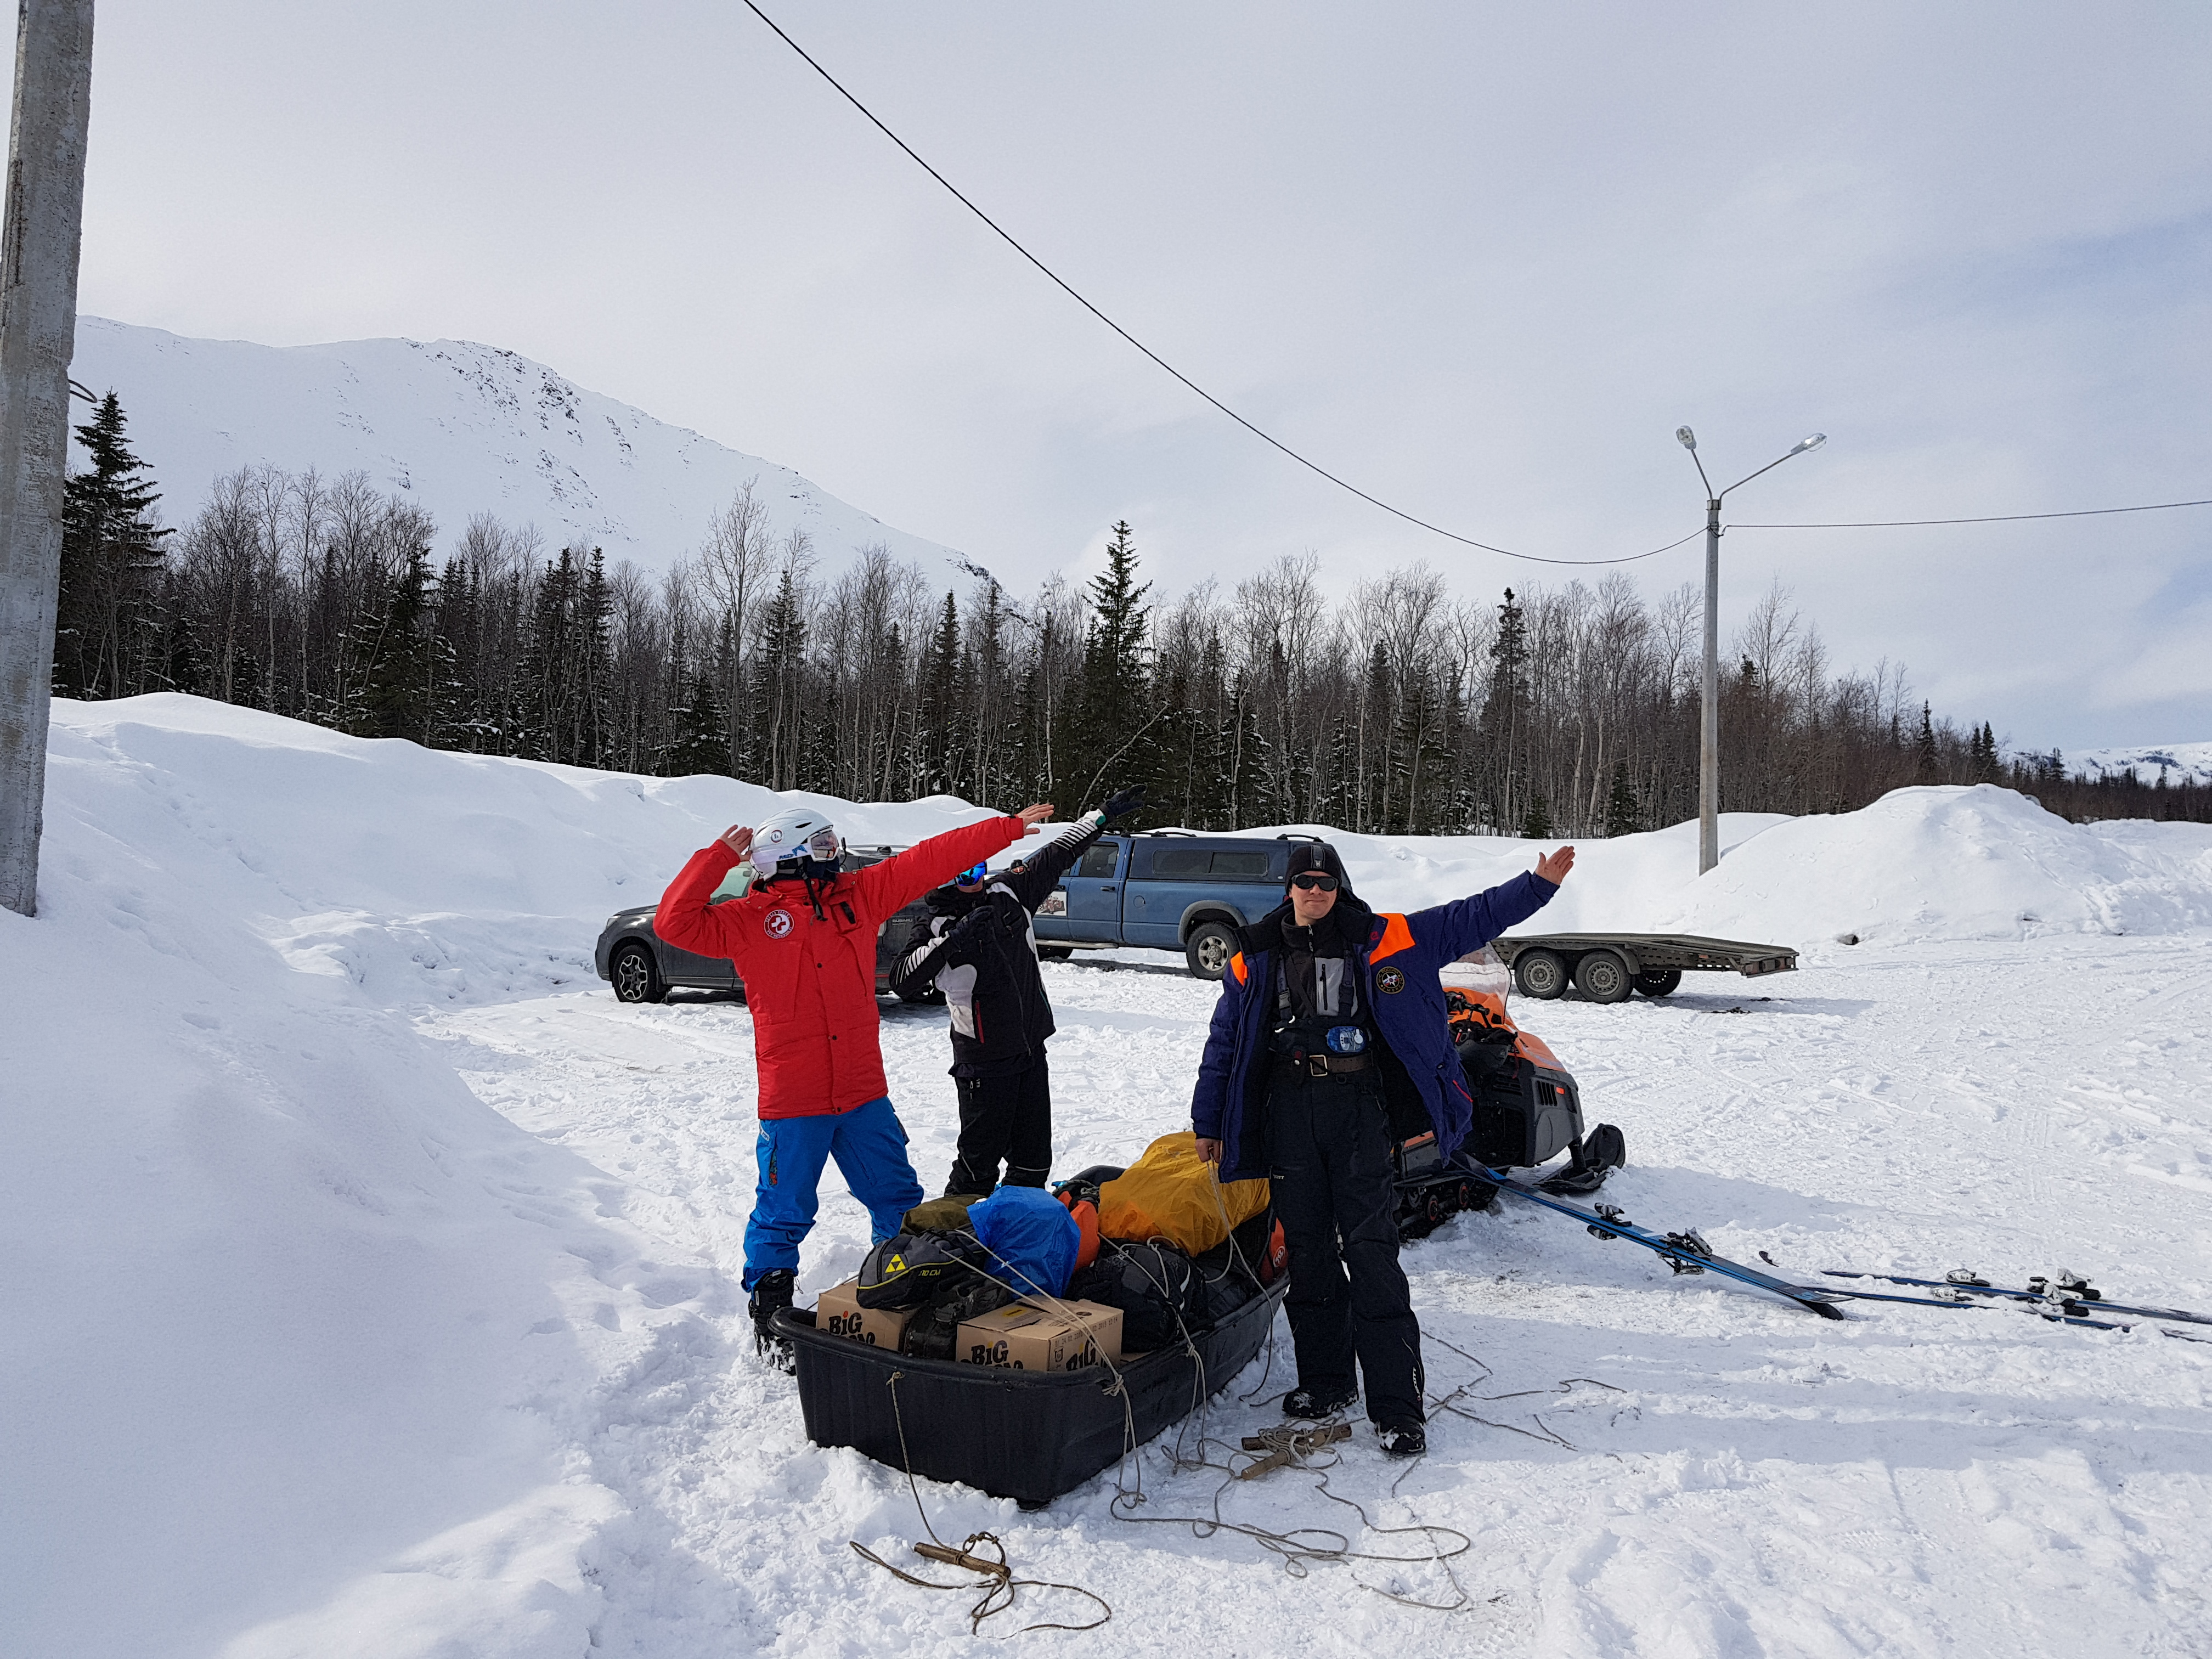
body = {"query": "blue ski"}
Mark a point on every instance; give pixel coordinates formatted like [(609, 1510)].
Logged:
[(1687, 1252)]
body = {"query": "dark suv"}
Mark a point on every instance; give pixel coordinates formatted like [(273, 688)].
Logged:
[(645, 968)]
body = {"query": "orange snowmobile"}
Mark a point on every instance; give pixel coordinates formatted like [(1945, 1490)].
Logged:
[(1526, 1110)]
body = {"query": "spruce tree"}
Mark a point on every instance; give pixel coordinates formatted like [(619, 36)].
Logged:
[(1622, 817), (106, 625), (1926, 763), (939, 728), (698, 744), (1537, 825), (1504, 724), (1112, 697), (404, 673)]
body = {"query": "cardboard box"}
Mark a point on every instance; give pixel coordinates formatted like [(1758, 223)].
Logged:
[(839, 1312), (1067, 1336)]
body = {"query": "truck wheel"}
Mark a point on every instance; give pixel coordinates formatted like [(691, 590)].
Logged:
[(1602, 976), (1208, 949), (931, 996), (637, 976), (1540, 974), (1054, 952), (1660, 982)]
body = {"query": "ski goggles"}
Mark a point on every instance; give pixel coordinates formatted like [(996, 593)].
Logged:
[(972, 876), (1314, 881), (823, 844)]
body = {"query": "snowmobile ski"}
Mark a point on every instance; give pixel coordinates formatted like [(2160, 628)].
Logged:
[(2073, 1296), (1685, 1251)]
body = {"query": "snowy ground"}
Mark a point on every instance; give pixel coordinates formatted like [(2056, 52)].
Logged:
[(373, 1276), (1729, 1474)]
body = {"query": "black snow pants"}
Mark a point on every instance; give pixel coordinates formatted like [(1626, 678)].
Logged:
[(1006, 1116), (1329, 1151)]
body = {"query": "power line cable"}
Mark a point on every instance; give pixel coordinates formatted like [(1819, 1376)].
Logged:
[(1999, 518), (1312, 466)]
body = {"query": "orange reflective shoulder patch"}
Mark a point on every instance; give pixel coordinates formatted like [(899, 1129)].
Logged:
[(1396, 935), (1236, 966)]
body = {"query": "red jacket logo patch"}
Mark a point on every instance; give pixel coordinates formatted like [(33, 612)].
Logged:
[(777, 924)]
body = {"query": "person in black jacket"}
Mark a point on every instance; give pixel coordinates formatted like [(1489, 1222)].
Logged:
[(979, 950)]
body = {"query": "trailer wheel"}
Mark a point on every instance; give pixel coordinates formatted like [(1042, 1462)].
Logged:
[(1540, 974), (1602, 976), (1660, 982)]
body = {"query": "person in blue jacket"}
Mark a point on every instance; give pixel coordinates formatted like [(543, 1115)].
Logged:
[(1330, 1030)]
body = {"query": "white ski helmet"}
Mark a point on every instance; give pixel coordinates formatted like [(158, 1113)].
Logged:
[(796, 833)]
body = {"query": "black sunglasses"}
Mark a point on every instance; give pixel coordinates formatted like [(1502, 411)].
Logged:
[(1311, 879)]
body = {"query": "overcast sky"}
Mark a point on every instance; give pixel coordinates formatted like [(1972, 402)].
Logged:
[(1480, 259)]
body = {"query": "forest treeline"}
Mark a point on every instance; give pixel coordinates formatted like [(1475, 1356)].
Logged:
[(1567, 712)]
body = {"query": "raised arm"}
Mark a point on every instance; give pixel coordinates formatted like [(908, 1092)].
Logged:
[(1048, 864), (905, 877), (1449, 931), (687, 921)]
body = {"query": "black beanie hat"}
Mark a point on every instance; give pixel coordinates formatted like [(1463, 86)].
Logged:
[(1318, 855)]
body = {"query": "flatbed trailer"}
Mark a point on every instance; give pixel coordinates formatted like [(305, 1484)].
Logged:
[(1611, 967)]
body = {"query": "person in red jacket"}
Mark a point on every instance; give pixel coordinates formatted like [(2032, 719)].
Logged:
[(803, 939)]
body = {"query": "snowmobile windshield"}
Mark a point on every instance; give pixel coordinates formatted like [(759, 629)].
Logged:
[(1479, 971)]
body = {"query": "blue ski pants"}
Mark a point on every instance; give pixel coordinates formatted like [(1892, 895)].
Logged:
[(869, 1144)]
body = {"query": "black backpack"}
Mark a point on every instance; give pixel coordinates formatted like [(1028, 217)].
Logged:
[(931, 1333), (913, 1267), (1156, 1286)]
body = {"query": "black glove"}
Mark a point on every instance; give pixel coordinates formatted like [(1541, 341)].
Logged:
[(1121, 802), (966, 933), (1013, 917)]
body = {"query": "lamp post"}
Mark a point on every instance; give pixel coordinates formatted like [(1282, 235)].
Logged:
[(1709, 723)]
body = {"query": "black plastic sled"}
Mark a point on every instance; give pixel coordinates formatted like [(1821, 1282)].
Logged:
[(1030, 1436)]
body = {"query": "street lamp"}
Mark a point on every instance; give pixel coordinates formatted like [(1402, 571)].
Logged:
[(1708, 725)]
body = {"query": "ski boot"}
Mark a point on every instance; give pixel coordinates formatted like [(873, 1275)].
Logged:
[(772, 1291)]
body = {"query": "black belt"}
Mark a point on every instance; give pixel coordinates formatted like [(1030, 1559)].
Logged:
[(1320, 1064)]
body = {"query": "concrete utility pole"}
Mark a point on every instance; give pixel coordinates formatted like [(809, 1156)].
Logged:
[(38, 337), (1708, 722)]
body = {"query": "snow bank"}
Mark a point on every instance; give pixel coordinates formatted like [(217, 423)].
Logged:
[(1923, 864), (311, 1350), (305, 1340)]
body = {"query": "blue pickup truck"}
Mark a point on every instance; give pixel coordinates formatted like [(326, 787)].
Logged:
[(1166, 890)]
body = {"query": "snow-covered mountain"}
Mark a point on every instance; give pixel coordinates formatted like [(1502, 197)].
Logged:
[(458, 427), (2180, 762)]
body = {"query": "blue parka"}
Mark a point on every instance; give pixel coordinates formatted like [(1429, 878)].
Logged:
[(1420, 1069)]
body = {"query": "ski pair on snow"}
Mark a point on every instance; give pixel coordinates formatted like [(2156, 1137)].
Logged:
[(1686, 1252), (2074, 1298)]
